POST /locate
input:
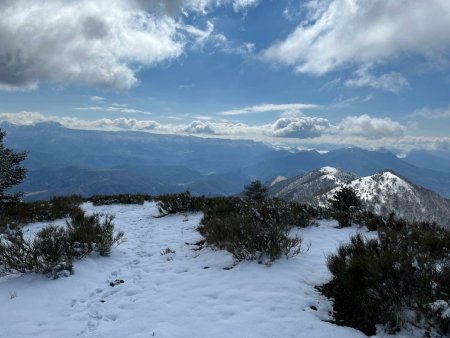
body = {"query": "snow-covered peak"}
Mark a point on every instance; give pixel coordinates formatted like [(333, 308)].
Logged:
[(380, 185), (330, 173), (329, 170)]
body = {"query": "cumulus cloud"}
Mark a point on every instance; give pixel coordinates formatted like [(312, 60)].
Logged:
[(361, 131), (268, 108), (124, 123), (339, 33), (98, 43), (199, 127), (371, 127), (26, 118), (32, 118), (299, 127)]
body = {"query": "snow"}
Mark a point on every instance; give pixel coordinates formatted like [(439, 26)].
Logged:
[(382, 184), (172, 290), (278, 179), (329, 170), (330, 173)]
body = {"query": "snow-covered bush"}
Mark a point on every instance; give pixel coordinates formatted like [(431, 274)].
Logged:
[(89, 233), (378, 281), (179, 203), (49, 249), (251, 229), (16, 253), (53, 249)]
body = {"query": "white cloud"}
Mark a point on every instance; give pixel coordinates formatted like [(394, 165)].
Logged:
[(392, 82), (92, 108), (26, 118), (299, 127), (340, 33), (123, 123), (101, 43), (186, 86), (371, 127), (199, 127), (97, 43), (31, 118), (268, 108), (125, 110), (242, 4), (432, 113), (97, 98), (361, 131), (200, 36), (115, 108)]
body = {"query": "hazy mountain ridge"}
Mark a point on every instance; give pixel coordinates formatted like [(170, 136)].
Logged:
[(381, 193), (65, 161), (435, 160)]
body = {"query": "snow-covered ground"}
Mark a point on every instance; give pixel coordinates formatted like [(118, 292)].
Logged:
[(189, 293)]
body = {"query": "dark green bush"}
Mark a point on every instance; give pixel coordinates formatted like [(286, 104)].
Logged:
[(344, 218), (40, 211), (370, 220), (376, 280), (120, 199), (252, 229)]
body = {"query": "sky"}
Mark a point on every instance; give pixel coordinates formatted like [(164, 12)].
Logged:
[(312, 73)]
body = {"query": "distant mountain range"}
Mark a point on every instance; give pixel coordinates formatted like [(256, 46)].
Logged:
[(64, 161), (381, 193)]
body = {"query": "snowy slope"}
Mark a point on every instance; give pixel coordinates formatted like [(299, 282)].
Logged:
[(381, 193), (276, 180), (184, 294), (304, 187), (388, 192)]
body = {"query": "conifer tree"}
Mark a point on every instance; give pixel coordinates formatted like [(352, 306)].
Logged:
[(255, 191), (11, 172), (345, 200)]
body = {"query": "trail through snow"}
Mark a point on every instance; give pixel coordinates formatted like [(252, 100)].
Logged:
[(187, 291)]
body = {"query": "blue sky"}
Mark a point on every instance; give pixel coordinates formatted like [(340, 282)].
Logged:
[(371, 73)]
